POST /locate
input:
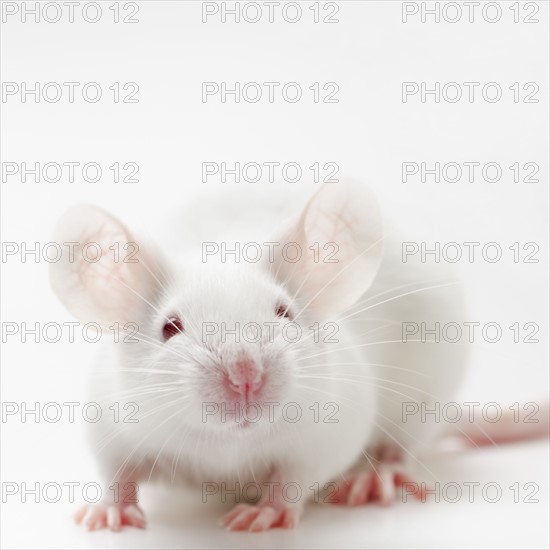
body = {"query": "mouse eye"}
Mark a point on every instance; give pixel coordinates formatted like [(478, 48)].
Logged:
[(172, 327), (283, 311)]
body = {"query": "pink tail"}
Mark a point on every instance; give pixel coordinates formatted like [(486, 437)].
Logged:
[(531, 421)]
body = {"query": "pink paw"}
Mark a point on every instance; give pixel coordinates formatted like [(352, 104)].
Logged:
[(110, 515), (260, 517), (380, 486)]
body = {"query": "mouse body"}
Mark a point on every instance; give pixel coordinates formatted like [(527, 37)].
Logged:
[(289, 373)]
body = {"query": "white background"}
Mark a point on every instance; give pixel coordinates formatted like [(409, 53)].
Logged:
[(369, 133)]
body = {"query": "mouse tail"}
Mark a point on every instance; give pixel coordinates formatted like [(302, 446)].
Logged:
[(517, 423)]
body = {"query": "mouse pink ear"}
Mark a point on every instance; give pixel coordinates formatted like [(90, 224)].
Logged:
[(104, 275), (339, 235)]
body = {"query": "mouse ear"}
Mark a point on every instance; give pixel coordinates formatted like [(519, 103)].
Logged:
[(104, 275), (339, 235)]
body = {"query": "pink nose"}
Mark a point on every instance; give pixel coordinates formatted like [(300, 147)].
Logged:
[(244, 377)]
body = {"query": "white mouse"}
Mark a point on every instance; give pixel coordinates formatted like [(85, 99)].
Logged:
[(349, 377)]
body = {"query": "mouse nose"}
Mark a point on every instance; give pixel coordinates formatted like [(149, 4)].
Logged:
[(244, 377)]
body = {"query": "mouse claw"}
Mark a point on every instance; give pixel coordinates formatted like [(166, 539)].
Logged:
[(110, 515), (376, 484), (261, 517)]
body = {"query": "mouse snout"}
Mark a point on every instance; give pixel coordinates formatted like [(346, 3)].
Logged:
[(244, 377)]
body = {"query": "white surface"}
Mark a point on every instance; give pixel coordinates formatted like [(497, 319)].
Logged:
[(369, 133), (178, 521)]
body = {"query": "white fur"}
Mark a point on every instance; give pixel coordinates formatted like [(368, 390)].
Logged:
[(174, 443)]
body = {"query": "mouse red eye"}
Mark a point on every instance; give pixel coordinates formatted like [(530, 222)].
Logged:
[(283, 311), (172, 327)]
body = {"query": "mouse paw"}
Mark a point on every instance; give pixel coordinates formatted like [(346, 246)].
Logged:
[(110, 515), (377, 484), (261, 517)]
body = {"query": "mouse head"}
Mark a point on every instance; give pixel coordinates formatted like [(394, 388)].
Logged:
[(226, 341)]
